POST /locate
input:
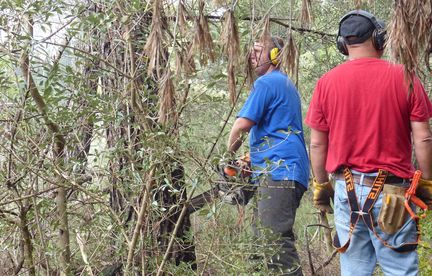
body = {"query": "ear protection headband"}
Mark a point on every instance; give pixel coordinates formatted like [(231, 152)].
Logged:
[(274, 52), (378, 35)]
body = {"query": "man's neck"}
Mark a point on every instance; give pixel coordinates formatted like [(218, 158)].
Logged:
[(353, 57), (362, 52), (270, 69)]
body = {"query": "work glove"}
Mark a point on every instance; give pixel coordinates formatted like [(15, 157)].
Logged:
[(424, 192), (322, 194)]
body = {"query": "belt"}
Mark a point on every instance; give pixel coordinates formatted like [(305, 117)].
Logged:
[(369, 180)]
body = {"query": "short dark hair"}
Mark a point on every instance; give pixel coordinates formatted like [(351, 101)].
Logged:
[(271, 42), (278, 42)]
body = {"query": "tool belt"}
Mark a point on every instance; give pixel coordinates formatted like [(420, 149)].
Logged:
[(387, 216)]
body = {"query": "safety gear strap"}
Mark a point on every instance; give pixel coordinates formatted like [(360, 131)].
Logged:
[(410, 196), (366, 213)]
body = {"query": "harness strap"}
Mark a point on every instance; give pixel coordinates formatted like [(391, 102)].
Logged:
[(354, 214), (366, 213)]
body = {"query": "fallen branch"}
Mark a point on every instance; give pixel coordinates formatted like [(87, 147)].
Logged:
[(327, 262), (327, 230), (311, 266)]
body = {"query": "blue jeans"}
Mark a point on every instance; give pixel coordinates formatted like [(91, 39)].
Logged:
[(365, 250)]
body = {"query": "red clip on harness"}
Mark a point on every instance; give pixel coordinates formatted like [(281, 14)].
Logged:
[(411, 197)]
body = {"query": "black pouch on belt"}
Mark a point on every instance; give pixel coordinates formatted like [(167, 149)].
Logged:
[(393, 213)]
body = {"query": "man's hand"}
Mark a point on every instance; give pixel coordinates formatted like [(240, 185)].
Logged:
[(244, 164), (322, 194), (424, 192), (240, 167)]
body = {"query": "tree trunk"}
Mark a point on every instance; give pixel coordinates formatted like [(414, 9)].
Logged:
[(26, 236), (58, 152)]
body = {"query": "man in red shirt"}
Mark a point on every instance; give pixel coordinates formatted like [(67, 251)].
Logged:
[(365, 115)]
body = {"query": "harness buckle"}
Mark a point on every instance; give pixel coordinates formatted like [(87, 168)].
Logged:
[(361, 213)]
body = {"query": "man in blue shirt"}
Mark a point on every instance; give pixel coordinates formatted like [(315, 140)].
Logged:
[(272, 117)]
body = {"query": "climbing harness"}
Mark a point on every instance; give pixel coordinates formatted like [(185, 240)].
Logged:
[(366, 211)]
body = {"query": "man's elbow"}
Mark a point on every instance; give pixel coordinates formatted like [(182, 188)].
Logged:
[(243, 125), (421, 132), (427, 139), (318, 145), (318, 142), (423, 140)]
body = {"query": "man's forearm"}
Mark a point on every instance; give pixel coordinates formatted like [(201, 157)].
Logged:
[(423, 152), (422, 139), (318, 155), (234, 141), (318, 161)]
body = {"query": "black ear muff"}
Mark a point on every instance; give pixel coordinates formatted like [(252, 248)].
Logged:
[(274, 52), (341, 45), (378, 36), (379, 39)]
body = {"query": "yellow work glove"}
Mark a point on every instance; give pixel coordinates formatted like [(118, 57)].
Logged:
[(322, 194), (424, 192)]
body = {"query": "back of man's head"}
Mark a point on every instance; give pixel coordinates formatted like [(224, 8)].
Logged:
[(358, 26), (356, 29)]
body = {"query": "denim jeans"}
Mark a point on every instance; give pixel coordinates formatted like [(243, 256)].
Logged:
[(365, 249), (276, 210)]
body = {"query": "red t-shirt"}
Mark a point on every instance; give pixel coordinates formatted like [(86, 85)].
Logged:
[(366, 107)]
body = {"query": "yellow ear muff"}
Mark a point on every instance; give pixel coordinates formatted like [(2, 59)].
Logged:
[(274, 56)]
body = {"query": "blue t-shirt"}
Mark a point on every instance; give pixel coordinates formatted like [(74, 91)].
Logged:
[(277, 146)]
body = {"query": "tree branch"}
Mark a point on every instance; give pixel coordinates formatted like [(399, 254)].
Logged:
[(276, 20), (141, 215)]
